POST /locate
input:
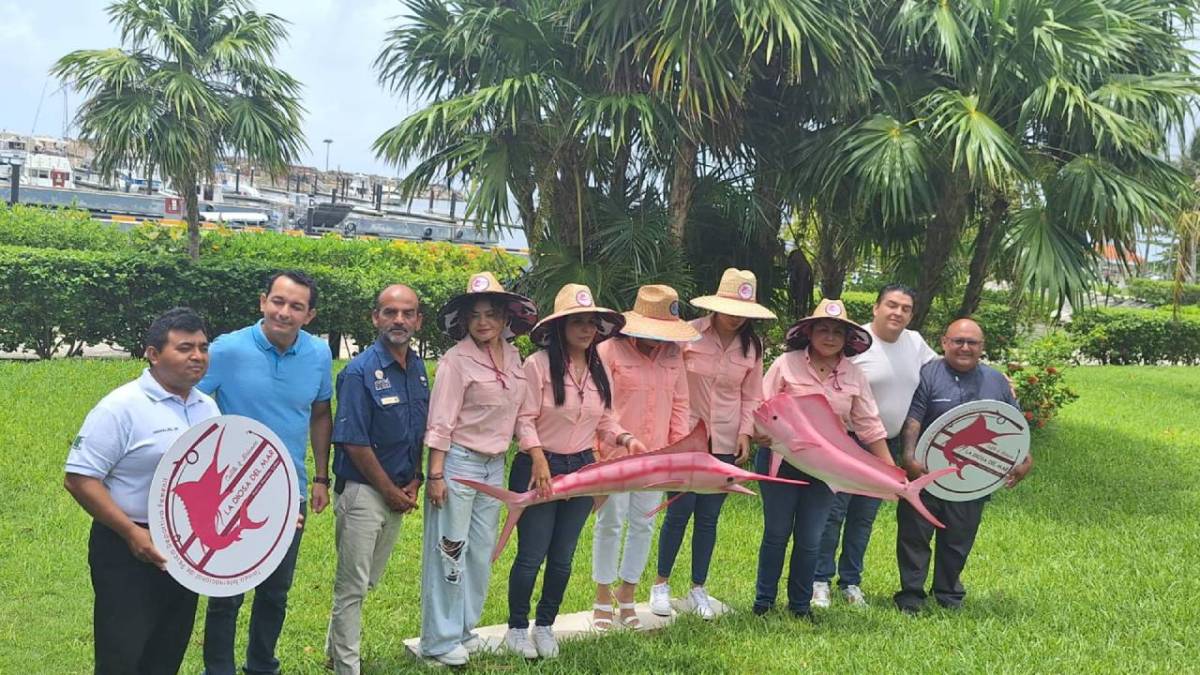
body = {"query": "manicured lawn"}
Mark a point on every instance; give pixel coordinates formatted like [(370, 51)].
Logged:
[(1091, 565)]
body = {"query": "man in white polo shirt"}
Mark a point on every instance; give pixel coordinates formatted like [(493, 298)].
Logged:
[(893, 367), (142, 618)]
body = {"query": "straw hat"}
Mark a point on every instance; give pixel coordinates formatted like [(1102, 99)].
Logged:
[(576, 299), (858, 340), (522, 313), (655, 316), (736, 296)]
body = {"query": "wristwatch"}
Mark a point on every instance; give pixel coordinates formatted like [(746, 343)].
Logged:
[(321, 480)]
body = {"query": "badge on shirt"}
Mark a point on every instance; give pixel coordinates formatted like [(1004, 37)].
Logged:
[(389, 400), (382, 384), (379, 374)]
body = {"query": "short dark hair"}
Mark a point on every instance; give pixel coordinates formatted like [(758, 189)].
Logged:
[(298, 277), (181, 319), (903, 288)]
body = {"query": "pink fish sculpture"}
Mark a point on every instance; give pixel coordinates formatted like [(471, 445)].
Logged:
[(812, 438), (685, 466)]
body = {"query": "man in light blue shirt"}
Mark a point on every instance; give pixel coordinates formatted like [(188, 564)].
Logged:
[(280, 375), (142, 617)]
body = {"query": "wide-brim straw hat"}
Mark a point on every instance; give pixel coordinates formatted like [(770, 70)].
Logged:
[(577, 299), (522, 312), (737, 295), (655, 316), (858, 340)]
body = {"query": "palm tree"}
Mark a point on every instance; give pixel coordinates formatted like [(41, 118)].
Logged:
[(1035, 124), (193, 82)]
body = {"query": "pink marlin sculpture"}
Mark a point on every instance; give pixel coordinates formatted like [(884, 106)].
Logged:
[(685, 466), (812, 438)]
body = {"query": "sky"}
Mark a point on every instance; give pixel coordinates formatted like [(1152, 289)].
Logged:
[(330, 48)]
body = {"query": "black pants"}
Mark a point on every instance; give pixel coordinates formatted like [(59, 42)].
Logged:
[(142, 617), (950, 557), (546, 532)]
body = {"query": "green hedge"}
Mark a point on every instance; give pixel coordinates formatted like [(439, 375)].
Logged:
[(66, 280), (1162, 292), (1131, 336)]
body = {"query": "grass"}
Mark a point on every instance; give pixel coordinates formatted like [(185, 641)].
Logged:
[(1087, 567)]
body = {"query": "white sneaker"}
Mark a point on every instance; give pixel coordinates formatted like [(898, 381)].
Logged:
[(854, 596), (820, 596), (516, 640), (472, 644), (698, 597), (455, 657), (660, 599), (544, 642)]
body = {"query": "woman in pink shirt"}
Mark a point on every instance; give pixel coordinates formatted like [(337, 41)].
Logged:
[(650, 396), (567, 406), (815, 363), (724, 374), (477, 391)]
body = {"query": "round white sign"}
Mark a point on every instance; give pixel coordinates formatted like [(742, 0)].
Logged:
[(223, 505), (984, 440)]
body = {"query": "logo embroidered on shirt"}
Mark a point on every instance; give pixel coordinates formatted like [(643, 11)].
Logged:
[(385, 383)]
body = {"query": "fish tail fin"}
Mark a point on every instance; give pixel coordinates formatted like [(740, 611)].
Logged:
[(912, 494), (515, 508), (514, 514)]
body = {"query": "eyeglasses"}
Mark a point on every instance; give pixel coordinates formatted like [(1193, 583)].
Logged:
[(965, 342)]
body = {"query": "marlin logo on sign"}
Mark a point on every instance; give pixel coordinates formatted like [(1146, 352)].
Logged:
[(202, 501), (974, 435)]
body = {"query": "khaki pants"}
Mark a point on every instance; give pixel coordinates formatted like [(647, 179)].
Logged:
[(364, 535)]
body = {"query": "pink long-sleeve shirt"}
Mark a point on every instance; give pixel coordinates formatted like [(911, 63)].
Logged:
[(724, 386), (650, 393), (567, 429), (474, 402), (846, 389)]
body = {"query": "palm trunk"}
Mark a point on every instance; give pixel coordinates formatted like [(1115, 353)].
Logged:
[(800, 283), (940, 236), (985, 241), (683, 184), (187, 185)]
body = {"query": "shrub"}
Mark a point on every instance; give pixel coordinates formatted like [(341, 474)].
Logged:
[(61, 229), (1162, 292), (1131, 336), (1037, 376)]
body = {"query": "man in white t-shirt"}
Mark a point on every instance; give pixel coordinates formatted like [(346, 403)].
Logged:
[(142, 617), (893, 367)]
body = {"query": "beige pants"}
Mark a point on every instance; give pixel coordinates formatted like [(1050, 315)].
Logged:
[(364, 534)]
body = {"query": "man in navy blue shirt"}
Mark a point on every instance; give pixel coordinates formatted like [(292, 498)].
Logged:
[(281, 375), (383, 401), (946, 383)]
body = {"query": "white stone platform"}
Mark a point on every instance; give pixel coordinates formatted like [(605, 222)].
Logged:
[(579, 624)]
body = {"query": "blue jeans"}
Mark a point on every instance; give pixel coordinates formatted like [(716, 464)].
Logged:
[(796, 512), (266, 620), (707, 509), (546, 532), (456, 563), (858, 514)]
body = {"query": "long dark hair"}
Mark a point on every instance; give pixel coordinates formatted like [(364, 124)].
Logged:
[(556, 349), (749, 338)]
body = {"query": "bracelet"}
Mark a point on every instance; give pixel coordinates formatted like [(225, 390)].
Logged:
[(435, 476)]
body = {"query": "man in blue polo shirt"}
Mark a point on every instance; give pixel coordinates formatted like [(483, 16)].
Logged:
[(278, 374), (142, 618), (383, 400), (946, 383)]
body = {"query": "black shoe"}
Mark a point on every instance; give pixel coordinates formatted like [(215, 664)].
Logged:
[(803, 615), (950, 606), (907, 609), (760, 610)]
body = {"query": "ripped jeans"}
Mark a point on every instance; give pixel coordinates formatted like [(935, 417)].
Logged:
[(456, 562)]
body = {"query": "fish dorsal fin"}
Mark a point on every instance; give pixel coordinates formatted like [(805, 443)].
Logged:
[(695, 441)]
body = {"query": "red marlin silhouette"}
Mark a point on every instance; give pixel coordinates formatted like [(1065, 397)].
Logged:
[(976, 434), (202, 500)]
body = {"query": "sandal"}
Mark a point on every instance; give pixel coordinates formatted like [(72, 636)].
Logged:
[(602, 625), (630, 622)]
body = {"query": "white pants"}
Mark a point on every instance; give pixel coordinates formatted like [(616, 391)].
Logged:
[(621, 509), (364, 533)]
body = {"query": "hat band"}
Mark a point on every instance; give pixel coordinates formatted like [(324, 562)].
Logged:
[(736, 297)]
